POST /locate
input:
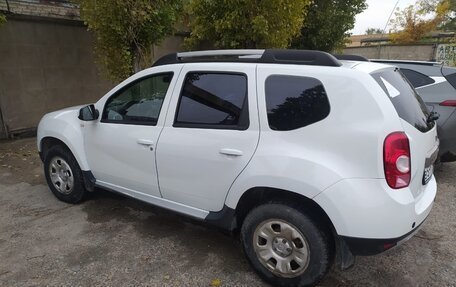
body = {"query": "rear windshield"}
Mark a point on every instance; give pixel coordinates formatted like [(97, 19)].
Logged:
[(408, 104)]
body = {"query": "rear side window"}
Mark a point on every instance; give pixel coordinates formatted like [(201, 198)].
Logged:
[(416, 78), (295, 102), (409, 106), (213, 100)]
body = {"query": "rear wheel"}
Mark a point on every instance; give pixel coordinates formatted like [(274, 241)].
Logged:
[(63, 175), (285, 246)]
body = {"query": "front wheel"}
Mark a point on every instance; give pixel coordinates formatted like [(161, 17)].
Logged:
[(285, 246), (63, 175)]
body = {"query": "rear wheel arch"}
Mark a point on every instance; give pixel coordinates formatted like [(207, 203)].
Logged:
[(261, 195)]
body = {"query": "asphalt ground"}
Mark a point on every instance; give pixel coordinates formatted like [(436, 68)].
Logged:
[(111, 240)]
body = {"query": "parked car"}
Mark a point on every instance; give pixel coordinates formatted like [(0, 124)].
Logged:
[(305, 157), (436, 84)]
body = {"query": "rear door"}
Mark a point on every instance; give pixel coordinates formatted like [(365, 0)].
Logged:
[(414, 114), (210, 134)]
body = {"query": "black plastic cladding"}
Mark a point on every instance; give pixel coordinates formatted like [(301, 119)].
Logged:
[(351, 58), (270, 56)]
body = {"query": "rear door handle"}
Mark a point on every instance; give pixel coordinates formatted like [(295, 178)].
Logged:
[(145, 142), (232, 152)]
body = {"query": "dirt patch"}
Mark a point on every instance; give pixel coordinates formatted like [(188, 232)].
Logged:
[(20, 162)]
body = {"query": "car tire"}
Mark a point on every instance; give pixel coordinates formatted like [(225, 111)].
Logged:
[(63, 175), (299, 251)]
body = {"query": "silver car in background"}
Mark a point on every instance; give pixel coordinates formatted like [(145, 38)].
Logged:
[(436, 84)]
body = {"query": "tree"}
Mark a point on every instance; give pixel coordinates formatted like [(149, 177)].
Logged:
[(126, 31), (413, 23), (445, 9), (244, 23), (373, 31), (327, 24), (2, 19)]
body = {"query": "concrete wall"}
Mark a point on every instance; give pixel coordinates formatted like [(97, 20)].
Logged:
[(45, 66), (48, 65), (408, 52)]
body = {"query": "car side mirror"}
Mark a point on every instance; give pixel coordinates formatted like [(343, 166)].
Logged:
[(88, 113)]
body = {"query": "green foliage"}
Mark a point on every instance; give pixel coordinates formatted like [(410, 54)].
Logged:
[(244, 23), (327, 24), (413, 23), (373, 31), (449, 24), (2, 19), (126, 31)]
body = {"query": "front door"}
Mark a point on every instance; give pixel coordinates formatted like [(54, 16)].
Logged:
[(121, 146), (210, 133)]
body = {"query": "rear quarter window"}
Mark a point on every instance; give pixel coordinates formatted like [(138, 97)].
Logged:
[(294, 102), (408, 104)]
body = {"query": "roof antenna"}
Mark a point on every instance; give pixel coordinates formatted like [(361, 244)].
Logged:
[(389, 18), (386, 26)]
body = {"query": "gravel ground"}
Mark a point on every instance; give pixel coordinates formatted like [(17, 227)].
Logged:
[(110, 240)]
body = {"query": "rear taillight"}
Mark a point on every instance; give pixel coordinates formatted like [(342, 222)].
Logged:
[(448, 103), (396, 159)]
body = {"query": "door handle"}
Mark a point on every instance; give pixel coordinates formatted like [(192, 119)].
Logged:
[(145, 142), (232, 152)]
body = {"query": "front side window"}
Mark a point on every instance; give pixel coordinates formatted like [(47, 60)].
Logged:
[(213, 100), (139, 102), (294, 102)]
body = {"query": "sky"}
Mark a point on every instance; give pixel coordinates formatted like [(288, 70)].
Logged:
[(377, 13)]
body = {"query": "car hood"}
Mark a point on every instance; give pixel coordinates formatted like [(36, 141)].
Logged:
[(59, 113)]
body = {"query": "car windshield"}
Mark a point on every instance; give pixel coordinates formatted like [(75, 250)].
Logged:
[(407, 102)]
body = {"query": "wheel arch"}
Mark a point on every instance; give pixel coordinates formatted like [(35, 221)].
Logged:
[(260, 195), (74, 144), (47, 142)]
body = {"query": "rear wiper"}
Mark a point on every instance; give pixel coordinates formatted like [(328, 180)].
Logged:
[(433, 116)]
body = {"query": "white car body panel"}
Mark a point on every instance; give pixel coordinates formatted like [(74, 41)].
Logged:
[(64, 126), (306, 160)]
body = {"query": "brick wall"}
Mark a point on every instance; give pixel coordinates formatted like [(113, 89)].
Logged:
[(57, 9)]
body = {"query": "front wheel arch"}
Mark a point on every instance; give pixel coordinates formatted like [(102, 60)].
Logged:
[(47, 143)]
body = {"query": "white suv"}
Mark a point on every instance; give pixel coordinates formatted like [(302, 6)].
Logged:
[(309, 159)]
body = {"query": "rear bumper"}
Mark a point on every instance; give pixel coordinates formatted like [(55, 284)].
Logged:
[(370, 246), (367, 210)]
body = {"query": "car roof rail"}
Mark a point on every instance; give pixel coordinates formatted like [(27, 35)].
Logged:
[(424, 63), (270, 56), (351, 57)]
